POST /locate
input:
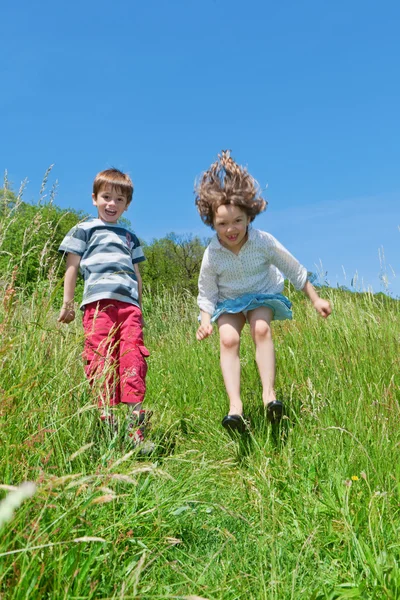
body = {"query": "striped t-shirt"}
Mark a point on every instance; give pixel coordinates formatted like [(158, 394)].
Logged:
[(108, 252)]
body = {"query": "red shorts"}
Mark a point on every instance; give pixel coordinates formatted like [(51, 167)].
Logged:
[(114, 353)]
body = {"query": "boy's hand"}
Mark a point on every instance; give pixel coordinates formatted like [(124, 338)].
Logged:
[(322, 307), (204, 331), (67, 315)]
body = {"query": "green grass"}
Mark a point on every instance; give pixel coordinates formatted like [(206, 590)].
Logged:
[(273, 515)]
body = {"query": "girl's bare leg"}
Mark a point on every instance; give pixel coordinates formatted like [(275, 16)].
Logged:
[(230, 327), (259, 320)]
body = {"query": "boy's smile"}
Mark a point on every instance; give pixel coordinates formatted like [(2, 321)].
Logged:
[(110, 204), (230, 223)]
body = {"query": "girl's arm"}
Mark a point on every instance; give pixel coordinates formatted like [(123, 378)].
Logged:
[(322, 306), (296, 273), (67, 313), (286, 263), (206, 327), (207, 297)]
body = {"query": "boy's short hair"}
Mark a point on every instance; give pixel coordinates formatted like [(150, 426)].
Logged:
[(118, 180), (226, 182)]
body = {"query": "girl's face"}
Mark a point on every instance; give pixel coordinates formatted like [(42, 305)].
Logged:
[(230, 223)]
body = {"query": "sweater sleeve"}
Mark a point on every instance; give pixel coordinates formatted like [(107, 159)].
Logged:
[(208, 286), (286, 263)]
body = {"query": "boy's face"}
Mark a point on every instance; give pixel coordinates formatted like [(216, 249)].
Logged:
[(230, 223), (110, 204)]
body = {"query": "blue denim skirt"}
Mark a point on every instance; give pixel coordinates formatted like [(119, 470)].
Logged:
[(278, 303)]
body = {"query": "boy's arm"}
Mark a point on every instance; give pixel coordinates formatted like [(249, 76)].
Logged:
[(140, 288), (139, 282), (67, 313), (322, 306)]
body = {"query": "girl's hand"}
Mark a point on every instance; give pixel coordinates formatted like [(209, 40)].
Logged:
[(204, 331), (322, 307), (67, 315)]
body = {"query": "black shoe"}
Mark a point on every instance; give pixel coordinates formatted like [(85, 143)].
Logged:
[(234, 423), (275, 411)]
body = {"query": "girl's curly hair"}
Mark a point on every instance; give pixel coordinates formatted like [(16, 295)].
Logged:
[(226, 182)]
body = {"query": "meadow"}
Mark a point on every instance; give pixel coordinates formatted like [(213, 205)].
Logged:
[(307, 510)]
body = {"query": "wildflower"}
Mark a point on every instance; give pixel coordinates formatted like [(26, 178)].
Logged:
[(89, 538), (354, 477), (103, 499), (14, 500), (172, 541)]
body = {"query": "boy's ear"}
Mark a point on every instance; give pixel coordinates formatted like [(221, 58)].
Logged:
[(94, 199)]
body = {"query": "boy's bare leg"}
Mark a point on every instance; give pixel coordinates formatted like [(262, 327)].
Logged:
[(260, 320), (230, 327)]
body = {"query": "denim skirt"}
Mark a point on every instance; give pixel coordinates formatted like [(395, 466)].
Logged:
[(278, 303)]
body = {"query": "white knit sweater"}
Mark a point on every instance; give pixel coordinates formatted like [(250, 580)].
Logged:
[(256, 269)]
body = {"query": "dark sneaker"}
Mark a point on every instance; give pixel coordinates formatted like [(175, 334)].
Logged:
[(275, 411), (235, 423), (138, 426)]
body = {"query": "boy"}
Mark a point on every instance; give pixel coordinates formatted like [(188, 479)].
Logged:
[(109, 256)]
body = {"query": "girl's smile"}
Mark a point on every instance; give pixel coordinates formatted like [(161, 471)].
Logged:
[(230, 223)]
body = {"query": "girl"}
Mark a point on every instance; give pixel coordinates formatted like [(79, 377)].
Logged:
[(241, 280)]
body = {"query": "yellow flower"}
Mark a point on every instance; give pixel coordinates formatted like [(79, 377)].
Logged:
[(354, 477)]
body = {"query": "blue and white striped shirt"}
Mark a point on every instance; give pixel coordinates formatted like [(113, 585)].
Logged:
[(108, 252)]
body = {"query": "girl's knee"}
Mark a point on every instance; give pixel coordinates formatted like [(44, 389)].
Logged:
[(260, 330), (229, 341)]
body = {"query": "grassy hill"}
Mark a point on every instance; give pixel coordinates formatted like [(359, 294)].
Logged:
[(310, 511)]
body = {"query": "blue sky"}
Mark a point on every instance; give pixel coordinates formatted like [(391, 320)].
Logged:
[(306, 94)]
